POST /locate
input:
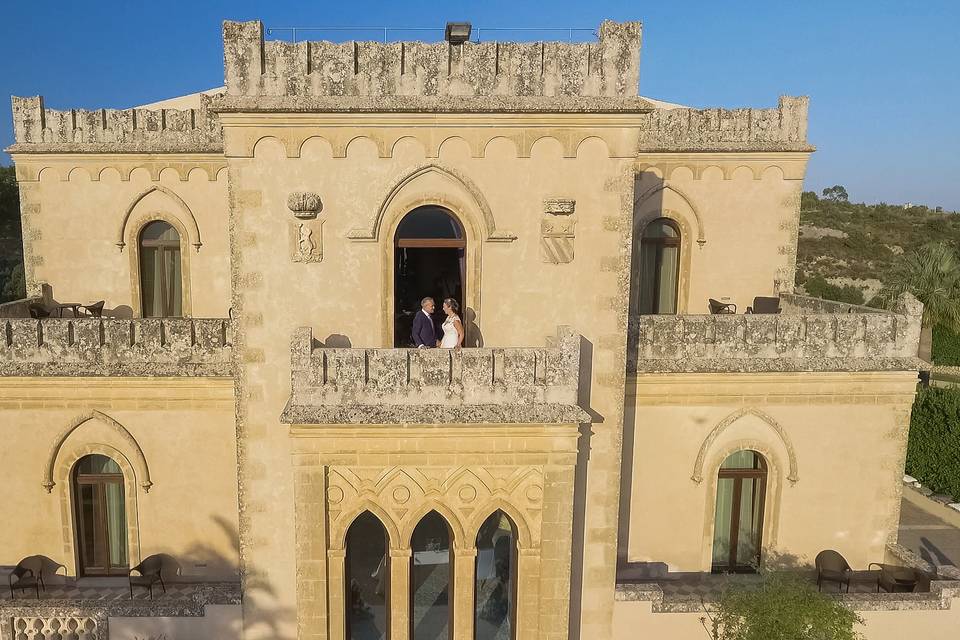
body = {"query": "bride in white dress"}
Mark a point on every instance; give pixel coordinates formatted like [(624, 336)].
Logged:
[(452, 326)]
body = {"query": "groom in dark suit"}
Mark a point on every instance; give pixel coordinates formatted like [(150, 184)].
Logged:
[(424, 331)]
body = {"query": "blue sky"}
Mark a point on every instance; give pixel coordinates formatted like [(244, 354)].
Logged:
[(883, 77)]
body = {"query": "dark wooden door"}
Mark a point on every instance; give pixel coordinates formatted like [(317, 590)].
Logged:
[(101, 522)]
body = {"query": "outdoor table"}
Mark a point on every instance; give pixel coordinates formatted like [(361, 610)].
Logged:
[(74, 306)]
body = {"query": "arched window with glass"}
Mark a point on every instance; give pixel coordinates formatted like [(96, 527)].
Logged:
[(100, 516), (659, 267), (738, 519), (431, 580), (161, 277), (495, 592), (367, 567)]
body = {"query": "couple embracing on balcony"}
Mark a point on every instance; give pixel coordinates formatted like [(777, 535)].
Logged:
[(425, 332)]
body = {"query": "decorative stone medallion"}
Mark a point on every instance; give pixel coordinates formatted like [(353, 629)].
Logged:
[(305, 205), (557, 231)]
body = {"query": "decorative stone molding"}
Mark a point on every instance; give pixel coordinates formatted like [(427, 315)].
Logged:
[(304, 204), (188, 218), (142, 470), (781, 433), (559, 206), (557, 235), (371, 231), (464, 496), (653, 191)]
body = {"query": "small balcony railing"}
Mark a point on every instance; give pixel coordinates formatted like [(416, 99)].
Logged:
[(436, 386)]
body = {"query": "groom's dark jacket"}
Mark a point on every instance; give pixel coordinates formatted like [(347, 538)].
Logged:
[(424, 333)]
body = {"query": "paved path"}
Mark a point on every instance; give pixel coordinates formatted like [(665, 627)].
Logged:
[(924, 532)]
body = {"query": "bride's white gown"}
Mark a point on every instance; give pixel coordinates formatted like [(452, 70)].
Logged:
[(450, 335)]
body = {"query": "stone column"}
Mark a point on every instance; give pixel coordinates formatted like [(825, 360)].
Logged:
[(336, 593), (464, 581), (400, 594), (528, 612)]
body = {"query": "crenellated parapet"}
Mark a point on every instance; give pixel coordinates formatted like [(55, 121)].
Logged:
[(608, 68), (780, 129), (808, 335), (38, 129), (434, 386), (81, 347)]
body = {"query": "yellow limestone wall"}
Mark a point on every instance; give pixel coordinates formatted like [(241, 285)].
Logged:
[(77, 208), (835, 445), (185, 431)]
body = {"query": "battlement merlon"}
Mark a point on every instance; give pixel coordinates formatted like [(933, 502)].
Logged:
[(609, 68), (38, 129)]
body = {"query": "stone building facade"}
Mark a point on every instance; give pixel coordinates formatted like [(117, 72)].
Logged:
[(261, 250)]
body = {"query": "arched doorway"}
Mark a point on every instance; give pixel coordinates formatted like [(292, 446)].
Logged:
[(100, 517), (738, 517), (659, 267), (429, 261), (368, 579), (161, 277)]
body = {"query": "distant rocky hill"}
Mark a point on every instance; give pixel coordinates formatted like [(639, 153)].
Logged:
[(848, 250)]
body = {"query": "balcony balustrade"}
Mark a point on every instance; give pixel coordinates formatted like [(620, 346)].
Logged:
[(115, 347), (435, 386), (808, 335)]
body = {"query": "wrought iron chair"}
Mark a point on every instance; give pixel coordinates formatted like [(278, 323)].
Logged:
[(151, 571), (717, 307), (29, 575)]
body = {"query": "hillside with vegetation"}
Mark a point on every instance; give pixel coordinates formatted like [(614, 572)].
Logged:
[(850, 251)]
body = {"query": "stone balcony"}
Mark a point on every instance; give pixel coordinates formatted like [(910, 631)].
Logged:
[(114, 347), (538, 385), (808, 335)]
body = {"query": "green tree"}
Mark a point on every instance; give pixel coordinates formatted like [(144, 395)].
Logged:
[(836, 193), (783, 606), (932, 274), (11, 247)]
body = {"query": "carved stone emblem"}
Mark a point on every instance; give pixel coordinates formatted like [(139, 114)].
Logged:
[(306, 241), (557, 231), (304, 204)]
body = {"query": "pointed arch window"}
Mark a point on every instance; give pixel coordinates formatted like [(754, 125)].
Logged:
[(431, 580), (367, 579), (161, 277), (496, 579), (659, 267)]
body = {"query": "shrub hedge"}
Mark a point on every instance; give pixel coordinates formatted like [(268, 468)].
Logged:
[(946, 347), (933, 452), (818, 287)]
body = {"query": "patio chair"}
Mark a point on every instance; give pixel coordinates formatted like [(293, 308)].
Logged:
[(765, 304), (717, 307), (38, 311), (94, 310), (151, 571), (833, 567), (28, 574)]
